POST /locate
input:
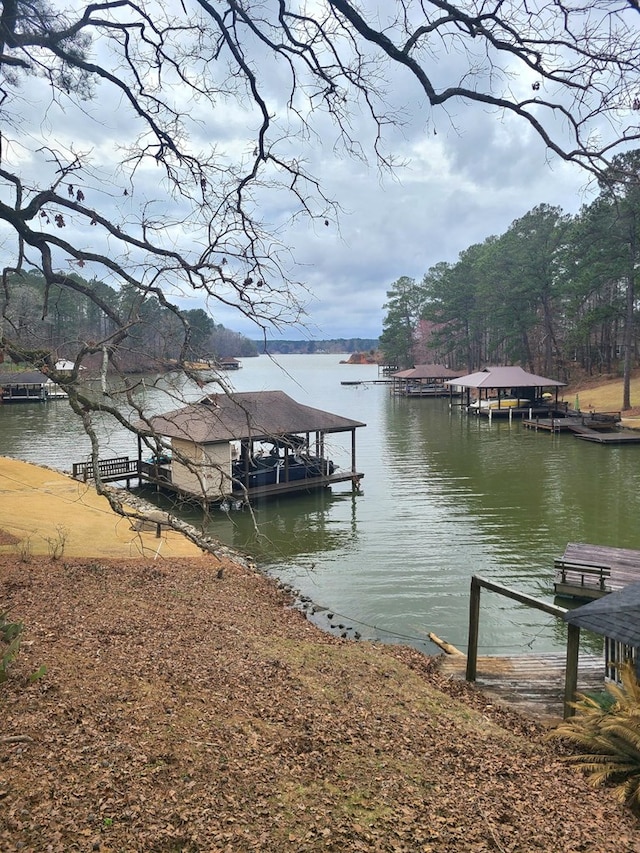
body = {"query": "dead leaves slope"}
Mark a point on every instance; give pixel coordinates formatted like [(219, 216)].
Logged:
[(186, 712)]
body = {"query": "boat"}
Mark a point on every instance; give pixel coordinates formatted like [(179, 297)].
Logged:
[(266, 469), (501, 403)]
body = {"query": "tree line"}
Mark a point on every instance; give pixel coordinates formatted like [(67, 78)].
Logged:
[(555, 293), (74, 318), (309, 347)]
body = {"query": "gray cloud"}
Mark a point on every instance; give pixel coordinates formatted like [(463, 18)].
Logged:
[(468, 173)]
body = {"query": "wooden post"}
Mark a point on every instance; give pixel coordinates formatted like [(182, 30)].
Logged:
[(571, 673), (354, 480), (474, 624), (139, 461)]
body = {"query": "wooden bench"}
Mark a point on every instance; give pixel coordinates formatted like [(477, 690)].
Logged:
[(585, 570)]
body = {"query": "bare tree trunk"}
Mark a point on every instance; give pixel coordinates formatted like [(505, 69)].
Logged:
[(628, 340)]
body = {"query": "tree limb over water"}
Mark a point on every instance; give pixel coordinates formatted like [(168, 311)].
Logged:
[(164, 149)]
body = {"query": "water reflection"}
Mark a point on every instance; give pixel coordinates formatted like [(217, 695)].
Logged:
[(445, 496), (299, 526)]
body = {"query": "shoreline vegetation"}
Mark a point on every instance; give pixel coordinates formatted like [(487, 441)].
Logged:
[(186, 705)]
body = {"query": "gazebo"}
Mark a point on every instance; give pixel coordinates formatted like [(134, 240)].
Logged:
[(504, 390)]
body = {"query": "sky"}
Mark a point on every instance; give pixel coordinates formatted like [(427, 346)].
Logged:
[(465, 173), (435, 207), (458, 186)]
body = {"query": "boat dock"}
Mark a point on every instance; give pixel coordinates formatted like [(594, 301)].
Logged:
[(532, 684), (425, 391), (591, 571), (366, 382), (599, 427)]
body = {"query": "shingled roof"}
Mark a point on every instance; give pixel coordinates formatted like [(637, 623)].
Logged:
[(25, 377), (251, 414), (616, 615), (426, 371), (504, 377)]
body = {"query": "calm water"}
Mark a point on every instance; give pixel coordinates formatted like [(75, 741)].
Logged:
[(444, 496)]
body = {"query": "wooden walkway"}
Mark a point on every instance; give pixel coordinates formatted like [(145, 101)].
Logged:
[(120, 468), (591, 571), (601, 428), (124, 469), (531, 684)]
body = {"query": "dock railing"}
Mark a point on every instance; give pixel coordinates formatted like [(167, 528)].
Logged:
[(118, 468), (582, 573), (573, 633)]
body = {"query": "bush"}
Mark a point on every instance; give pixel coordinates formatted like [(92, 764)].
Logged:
[(610, 737)]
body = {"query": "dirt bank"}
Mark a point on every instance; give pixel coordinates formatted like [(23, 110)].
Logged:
[(187, 707), (184, 711)]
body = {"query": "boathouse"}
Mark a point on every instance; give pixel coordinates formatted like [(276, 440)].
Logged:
[(423, 380), (507, 391), (228, 363), (244, 445), (27, 386), (616, 617), (33, 386)]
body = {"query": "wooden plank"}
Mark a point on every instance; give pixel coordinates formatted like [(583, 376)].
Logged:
[(582, 567), (588, 593), (531, 684)]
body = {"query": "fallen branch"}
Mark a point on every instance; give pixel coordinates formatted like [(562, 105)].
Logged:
[(446, 647), (16, 739)]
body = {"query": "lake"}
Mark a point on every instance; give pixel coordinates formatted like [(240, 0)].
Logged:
[(445, 495)]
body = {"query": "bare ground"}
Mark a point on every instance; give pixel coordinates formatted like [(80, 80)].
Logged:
[(184, 711)]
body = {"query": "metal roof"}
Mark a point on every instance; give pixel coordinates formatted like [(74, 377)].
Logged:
[(250, 414), (426, 371), (616, 615), (504, 377)]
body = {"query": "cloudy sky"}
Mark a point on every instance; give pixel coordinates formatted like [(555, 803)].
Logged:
[(467, 181), (456, 190), (467, 172)]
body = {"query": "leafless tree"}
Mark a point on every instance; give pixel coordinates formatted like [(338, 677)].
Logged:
[(197, 118)]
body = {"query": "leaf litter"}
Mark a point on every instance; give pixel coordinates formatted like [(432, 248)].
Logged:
[(188, 709)]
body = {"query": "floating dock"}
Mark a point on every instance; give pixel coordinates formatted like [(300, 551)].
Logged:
[(599, 427), (588, 572), (366, 382)]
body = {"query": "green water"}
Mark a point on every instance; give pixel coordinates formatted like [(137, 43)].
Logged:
[(445, 496)]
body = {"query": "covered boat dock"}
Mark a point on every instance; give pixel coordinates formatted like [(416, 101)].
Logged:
[(27, 386), (242, 446), (508, 392), (423, 380)]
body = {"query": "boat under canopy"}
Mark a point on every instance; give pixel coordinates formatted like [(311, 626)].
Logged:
[(243, 445), (506, 389)]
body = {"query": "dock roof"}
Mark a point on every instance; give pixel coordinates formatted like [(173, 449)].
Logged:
[(616, 615), (250, 414), (504, 377), (426, 371), (24, 377)]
